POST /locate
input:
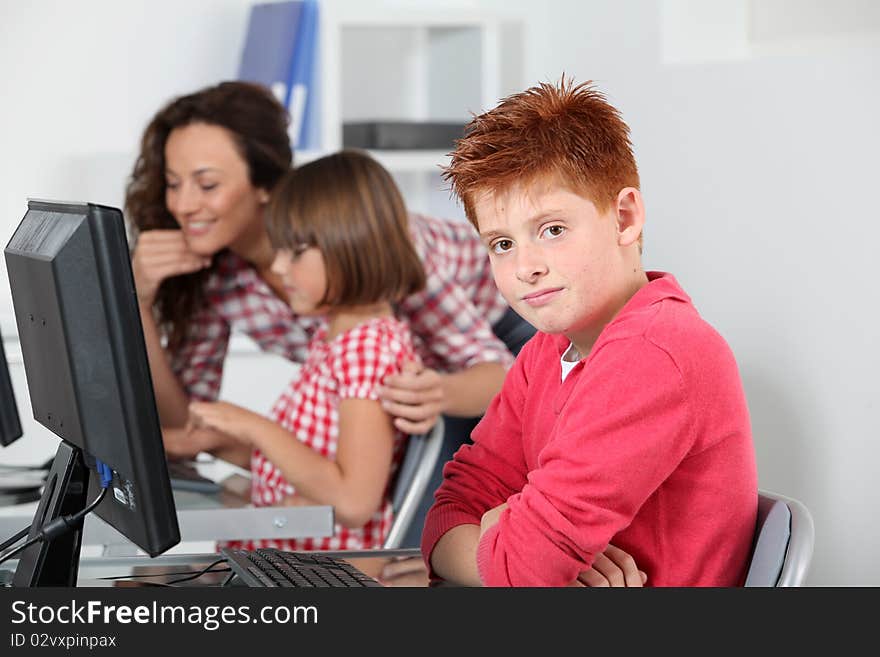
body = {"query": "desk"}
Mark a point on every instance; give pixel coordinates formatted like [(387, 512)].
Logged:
[(142, 571), (203, 518)]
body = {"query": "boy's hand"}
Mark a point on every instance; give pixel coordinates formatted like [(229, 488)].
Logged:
[(613, 567), (223, 416), (161, 254), (490, 518), (415, 397)]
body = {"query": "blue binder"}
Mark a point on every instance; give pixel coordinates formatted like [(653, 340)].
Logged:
[(268, 52), (279, 53), (302, 83)]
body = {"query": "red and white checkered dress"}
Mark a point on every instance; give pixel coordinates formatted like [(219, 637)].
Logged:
[(451, 319), (351, 366)]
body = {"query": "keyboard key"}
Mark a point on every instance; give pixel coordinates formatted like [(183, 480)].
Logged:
[(275, 568)]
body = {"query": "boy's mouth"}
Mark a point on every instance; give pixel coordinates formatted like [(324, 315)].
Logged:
[(542, 297)]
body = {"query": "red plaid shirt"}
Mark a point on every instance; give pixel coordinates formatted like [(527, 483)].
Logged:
[(451, 319), (350, 366)]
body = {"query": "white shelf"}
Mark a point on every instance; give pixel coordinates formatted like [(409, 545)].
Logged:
[(394, 64), (403, 161), (359, 17)]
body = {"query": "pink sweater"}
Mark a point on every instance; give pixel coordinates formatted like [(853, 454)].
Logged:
[(646, 444)]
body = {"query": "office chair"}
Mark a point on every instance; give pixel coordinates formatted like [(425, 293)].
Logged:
[(783, 545), (422, 451)]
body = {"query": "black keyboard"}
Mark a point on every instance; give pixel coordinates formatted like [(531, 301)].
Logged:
[(276, 568)]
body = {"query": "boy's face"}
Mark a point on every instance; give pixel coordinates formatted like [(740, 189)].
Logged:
[(560, 263)]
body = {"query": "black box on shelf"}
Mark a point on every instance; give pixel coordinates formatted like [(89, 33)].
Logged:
[(401, 135)]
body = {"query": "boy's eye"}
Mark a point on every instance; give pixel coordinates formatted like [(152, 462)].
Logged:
[(501, 246), (553, 231)]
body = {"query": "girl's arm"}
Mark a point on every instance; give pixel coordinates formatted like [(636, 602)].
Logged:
[(353, 484), (186, 443)]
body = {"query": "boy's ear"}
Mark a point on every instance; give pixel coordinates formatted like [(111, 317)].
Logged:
[(262, 195), (630, 216)]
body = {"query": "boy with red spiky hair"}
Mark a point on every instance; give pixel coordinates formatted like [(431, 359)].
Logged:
[(624, 418)]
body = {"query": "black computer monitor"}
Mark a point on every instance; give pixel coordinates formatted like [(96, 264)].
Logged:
[(10, 423), (89, 382)]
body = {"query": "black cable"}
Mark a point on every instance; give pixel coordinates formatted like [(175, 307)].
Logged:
[(140, 583), (21, 547), (91, 507), (146, 583), (204, 571), (168, 574), (57, 527), (15, 539), (186, 579), (228, 579), (176, 572)]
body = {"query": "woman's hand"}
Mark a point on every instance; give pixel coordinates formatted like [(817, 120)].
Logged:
[(161, 254), (415, 398), (223, 416)]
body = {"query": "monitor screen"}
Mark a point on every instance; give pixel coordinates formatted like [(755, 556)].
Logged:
[(86, 363), (10, 424)]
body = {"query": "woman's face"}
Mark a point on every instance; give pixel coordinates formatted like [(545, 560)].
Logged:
[(208, 190)]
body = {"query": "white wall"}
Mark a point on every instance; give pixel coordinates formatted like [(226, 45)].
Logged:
[(759, 167), (81, 79), (758, 160)]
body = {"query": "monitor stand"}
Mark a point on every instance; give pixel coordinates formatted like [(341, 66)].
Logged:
[(56, 562)]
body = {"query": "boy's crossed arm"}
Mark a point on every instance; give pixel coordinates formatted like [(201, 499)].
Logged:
[(455, 556)]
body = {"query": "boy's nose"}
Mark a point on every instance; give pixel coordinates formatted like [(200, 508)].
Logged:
[(530, 264)]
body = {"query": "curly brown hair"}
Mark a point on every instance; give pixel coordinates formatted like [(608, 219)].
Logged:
[(569, 132), (258, 124)]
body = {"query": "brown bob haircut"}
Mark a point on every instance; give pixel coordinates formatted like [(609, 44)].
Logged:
[(566, 132), (349, 208)]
